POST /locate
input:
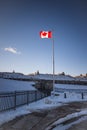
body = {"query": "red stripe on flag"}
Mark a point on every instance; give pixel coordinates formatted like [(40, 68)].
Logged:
[(49, 34), (40, 33)]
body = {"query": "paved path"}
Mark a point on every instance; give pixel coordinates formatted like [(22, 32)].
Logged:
[(80, 126), (42, 119)]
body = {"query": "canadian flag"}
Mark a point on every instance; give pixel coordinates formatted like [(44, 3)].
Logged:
[(45, 34)]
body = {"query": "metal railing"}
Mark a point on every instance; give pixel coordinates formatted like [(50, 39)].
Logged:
[(11, 100)]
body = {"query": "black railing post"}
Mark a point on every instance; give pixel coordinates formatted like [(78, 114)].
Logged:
[(64, 95), (82, 95)]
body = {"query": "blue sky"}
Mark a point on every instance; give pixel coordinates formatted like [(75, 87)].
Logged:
[(22, 49)]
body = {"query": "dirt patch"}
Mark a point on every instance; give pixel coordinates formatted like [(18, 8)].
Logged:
[(41, 120)]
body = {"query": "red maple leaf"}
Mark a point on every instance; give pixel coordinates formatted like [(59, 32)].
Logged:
[(44, 33)]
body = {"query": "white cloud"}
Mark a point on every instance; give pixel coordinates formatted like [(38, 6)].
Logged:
[(12, 50)]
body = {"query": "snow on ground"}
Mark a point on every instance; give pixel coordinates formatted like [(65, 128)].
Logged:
[(50, 77), (65, 127), (46, 103), (41, 76), (70, 86), (14, 85), (36, 76), (10, 115), (35, 106)]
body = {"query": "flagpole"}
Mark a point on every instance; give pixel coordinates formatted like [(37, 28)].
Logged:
[(53, 67)]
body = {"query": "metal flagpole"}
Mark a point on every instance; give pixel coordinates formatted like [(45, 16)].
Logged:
[(53, 68)]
